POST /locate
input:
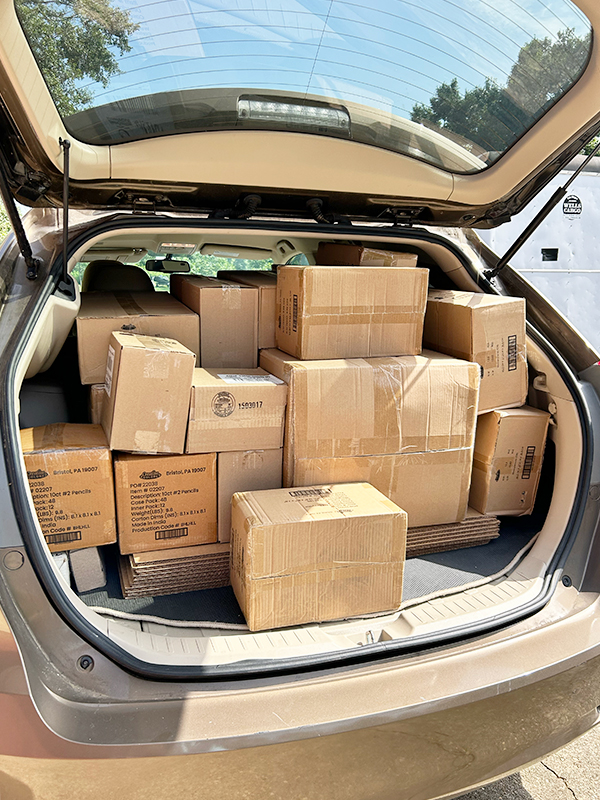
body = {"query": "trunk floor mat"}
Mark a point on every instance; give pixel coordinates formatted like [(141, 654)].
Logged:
[(423, 575)]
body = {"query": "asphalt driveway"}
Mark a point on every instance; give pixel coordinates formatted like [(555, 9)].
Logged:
[(572, 773)]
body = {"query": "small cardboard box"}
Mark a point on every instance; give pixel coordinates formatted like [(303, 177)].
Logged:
[(97, 395), (266, 283), (342, 255), (228, 314), (365, 407), (315, 554), (165, 501), (433, 487), (352, 312), (69, 468), (148, 383), (241, 409), (149, 313), (487, 329), (509, 448), (246, 471)]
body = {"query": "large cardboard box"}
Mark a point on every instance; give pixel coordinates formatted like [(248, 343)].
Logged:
[(148, 383), (379, 406), (69, 468), (432, 487), (351, 312), (315, 554), (246, 471), (241, 409), (346, 254), (509, 448), (487, 329), (165, 501), (149, 313), (266, 283), (228, 314)]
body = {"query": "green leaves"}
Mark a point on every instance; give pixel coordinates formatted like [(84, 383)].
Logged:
[(73, 40), (493, 116)]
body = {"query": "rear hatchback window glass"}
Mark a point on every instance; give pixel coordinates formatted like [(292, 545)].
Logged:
[(451, 82)]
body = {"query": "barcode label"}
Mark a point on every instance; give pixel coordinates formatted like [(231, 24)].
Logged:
[(171, 533), (528, 464), (310, 493), (295, 312), (63, 538), (235, 378), (512, 353)]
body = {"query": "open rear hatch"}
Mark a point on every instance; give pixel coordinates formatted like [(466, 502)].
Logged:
[(446, 595)]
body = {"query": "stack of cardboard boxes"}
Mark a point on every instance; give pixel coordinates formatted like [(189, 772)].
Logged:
[(379, 434)]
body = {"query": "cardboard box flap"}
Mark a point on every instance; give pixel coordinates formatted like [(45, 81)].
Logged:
[(144, 342), (472, 299), (222, 377), (178, 554), (62, 436)]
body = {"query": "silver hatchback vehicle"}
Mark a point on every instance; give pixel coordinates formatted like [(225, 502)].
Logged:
[(249, 132)]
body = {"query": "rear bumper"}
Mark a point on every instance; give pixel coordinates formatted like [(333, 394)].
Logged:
[(422, 728), (430, 756)]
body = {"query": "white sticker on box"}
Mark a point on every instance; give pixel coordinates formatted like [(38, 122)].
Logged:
[(110, 362), (236, 378)]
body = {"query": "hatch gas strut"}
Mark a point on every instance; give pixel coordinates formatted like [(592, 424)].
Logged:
[(31, 262), (66, 285), (490, 274)]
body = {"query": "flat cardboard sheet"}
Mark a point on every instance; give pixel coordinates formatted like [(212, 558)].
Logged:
[(165, 501), (236, 409), (475, 529), (148, 383), (185, 569), (507, 463), (488, 329), (149, 313), (228, 315), (69, 468), (350, 312), (318, 553)]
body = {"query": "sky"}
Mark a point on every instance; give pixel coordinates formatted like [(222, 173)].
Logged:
[(387, 54)]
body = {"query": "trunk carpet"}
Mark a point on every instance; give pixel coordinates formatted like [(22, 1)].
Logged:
[(423, 575)]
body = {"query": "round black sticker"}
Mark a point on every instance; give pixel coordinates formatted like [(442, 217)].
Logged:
[(572, 206), (223, 404)]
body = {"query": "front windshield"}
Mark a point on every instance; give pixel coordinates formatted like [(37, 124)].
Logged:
[(451, 82)]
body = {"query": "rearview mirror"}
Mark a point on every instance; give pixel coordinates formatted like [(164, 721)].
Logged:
[(167, 265)]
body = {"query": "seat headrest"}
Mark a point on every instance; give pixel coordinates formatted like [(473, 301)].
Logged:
[(113, 276)]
